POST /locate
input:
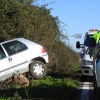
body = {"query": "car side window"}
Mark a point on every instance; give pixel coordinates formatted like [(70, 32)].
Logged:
[(2, 54), (14, 47)]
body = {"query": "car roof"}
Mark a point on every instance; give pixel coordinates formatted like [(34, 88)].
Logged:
[(90, 33), (11, 40), (23, 40)]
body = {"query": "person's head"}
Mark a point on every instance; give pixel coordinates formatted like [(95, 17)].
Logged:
[(90, 42)]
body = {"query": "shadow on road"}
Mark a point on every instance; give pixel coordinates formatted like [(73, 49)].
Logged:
[(86, 96), (86, 78), (86, 93)]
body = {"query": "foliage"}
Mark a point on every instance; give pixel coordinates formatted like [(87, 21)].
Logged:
[(48, 88), (19, 18)]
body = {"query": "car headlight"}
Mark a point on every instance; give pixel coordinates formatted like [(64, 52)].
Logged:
[(86, 62)]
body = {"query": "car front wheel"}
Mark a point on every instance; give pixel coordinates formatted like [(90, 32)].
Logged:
[(38, 69)]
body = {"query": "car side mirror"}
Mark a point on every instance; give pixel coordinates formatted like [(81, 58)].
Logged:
[(77, 44), (90, 42), (81, 55)]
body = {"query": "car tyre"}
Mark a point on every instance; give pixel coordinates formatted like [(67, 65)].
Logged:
[(38, 69)]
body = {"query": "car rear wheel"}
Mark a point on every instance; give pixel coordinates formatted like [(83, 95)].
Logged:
[(38, 69)]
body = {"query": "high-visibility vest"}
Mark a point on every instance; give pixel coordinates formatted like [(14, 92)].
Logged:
[(96, 36)]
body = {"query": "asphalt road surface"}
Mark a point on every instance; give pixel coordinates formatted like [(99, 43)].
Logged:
[(85, 90)]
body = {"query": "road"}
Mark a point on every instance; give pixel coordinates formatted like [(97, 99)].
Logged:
[(85, 90)]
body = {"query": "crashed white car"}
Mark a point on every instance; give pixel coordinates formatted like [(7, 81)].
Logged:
[(21, 55)]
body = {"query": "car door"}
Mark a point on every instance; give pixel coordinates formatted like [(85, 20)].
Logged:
[(5, 64), (17, 52)]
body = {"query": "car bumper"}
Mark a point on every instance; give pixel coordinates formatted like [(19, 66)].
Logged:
[(87, 70)]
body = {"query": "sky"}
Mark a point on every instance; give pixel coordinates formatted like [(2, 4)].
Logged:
[(78, 15)]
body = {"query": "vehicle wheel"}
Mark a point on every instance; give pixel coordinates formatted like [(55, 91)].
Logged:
[(38, 69)]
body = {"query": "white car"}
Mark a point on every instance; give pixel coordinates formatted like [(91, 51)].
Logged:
[(86, 61), (21, 55)]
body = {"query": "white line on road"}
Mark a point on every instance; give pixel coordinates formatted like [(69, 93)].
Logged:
[(85, 91)]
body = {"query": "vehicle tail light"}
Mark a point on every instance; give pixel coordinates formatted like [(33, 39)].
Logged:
[(43, 50)]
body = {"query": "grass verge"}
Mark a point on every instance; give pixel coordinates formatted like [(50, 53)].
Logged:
[(48, 88)]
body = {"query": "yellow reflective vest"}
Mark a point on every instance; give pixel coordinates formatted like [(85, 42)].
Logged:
[(96, 36)]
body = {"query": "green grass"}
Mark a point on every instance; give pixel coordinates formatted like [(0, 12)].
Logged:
[(47, 88)]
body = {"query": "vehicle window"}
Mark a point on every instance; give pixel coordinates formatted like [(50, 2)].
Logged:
[(2, 54), (14, 47)]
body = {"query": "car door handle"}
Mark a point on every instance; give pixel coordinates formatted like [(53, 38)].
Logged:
[(10, 59)]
